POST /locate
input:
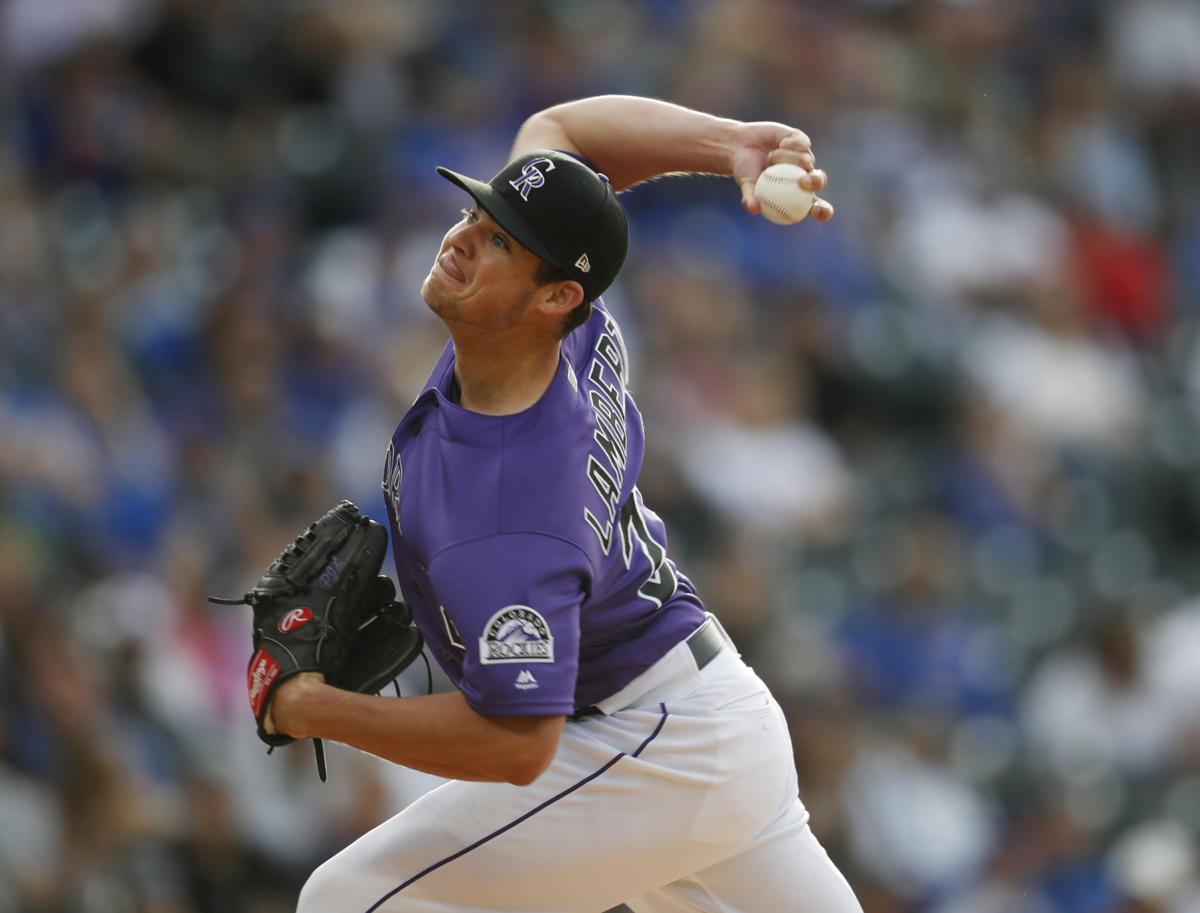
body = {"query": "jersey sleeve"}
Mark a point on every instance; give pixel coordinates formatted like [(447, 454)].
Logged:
[(513, 601), (581, 158)]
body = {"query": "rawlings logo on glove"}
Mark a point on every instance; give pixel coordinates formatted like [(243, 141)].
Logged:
[(294, 619), (322, 607)]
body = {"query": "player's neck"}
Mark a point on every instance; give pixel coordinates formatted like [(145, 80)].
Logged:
[(495, 379)]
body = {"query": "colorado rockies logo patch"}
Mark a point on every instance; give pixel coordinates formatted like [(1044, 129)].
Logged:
[(516, 634)]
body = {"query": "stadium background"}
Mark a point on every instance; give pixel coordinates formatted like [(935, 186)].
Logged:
[(934, 465)]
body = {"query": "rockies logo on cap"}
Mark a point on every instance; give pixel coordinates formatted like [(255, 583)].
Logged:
[(531, 176)]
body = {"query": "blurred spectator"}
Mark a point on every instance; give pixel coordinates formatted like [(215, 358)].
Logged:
[(912, 822), (1011, 882), (1154, 865), (1056, 384), (916, 647), (1103, 702), (759, 462), (1172, 645)]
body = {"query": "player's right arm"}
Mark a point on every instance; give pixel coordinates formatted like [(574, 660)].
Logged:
[(634, 139)]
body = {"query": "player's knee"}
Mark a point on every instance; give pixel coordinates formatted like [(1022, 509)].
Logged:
[(320, 893)]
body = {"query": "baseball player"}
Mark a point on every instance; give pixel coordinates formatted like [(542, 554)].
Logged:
[(605, 743)]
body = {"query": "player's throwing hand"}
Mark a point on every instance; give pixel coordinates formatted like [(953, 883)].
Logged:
[(766, 143)]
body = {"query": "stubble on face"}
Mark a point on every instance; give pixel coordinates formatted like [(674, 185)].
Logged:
[(453, 310)]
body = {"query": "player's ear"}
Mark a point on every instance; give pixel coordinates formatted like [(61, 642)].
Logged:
[(562, 297)]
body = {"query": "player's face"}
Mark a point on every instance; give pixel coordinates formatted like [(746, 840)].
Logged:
[(482, 276)]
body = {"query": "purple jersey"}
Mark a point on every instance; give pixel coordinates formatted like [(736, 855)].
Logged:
[(536, 573)]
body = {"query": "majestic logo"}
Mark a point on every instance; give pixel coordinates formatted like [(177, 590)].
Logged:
[(516, 634), (531, 178), (583, 264), (525, 680), (295, 619), (259, 677)]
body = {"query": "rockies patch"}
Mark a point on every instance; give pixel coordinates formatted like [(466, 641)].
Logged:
[(516, 634)]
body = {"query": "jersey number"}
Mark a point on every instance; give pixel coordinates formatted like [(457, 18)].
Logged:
[(660, 585)]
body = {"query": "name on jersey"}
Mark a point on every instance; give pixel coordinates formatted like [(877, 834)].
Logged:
[(516, 634), (607, 377)]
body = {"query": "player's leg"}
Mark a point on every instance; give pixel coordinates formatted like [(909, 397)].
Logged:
[(631, 802), (533, 849), (788, 871)]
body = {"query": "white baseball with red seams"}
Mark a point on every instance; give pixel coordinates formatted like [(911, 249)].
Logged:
[(780, 196)]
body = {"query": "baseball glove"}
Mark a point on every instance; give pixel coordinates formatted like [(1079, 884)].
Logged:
[(323, 607)]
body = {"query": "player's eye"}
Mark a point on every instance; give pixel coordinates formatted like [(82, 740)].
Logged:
[(471, 216)]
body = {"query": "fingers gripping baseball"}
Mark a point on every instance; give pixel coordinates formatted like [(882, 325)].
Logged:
[(794, 149), (764, 144)]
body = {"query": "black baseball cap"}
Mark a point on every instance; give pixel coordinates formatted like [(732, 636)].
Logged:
[(560, 209)]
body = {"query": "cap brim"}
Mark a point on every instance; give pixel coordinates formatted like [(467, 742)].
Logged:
[(500, 210)]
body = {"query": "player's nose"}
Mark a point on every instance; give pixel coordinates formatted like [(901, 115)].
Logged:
[(462, 239)]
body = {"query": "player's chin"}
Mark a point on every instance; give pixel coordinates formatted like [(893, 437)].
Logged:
[(434, 294), (436, 285), (445, 307)]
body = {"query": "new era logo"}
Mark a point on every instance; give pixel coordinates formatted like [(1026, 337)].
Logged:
[(583, 264), (525, 680)]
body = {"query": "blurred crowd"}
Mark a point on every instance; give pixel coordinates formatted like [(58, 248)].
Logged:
[(936, 465)]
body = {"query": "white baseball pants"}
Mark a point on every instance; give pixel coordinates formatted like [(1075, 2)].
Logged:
[(684, 799)]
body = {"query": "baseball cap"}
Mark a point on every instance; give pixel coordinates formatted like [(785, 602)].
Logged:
[(560, 209)]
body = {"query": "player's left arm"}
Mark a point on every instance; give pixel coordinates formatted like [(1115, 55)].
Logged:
[(497, 727), (634, 139), (438, 733)]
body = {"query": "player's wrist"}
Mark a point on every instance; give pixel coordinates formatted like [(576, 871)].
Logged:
[(286, 711), (726, 140)]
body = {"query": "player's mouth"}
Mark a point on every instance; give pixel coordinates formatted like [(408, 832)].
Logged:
[(445, 263)]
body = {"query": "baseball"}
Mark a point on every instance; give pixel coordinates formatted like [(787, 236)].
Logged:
[(782, 199)]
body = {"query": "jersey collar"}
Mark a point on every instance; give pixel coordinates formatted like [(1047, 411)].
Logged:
[(549, 415)]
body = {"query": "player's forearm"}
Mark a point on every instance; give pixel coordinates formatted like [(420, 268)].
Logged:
[(634, 139), (438, 734)]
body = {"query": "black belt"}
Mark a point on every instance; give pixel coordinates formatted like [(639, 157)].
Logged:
[(705, 643)]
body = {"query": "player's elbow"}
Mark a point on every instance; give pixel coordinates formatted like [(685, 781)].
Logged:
[(527, 768), (526, 774), (543, 130), (537, 749)]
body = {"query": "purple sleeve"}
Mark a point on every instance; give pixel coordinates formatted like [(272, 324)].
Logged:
[(579, 157), (514, 600)]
